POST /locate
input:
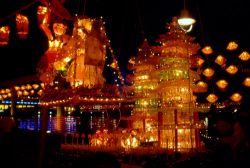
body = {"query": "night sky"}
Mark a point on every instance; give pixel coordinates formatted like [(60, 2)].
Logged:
[(128, 22)]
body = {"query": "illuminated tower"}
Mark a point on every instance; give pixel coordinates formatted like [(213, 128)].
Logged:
[(145, 112), (177, 127)]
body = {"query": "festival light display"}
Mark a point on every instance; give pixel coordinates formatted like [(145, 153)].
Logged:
[(164, 100)]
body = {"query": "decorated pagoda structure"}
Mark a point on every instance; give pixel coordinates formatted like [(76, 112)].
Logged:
[(164, 82)]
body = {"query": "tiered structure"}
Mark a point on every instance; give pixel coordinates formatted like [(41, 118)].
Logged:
[(176, 81), (144, 116), (164, 84)]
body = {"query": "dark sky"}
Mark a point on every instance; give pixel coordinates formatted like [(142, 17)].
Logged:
[(128, 22)]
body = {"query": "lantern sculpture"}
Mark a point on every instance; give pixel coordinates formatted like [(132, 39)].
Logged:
[(4, 35), (236, 97), (22, 25), (212, 98), (246, 82), (222, 84), (232, 69), (208, 72), (207, 50), (232, 46), (244, 56), (220, 60)]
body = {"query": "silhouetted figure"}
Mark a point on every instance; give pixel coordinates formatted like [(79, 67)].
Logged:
[(85, 126)]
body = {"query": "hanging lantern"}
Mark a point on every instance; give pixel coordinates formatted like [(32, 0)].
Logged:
[(59, 29), (201, 87), (42, 15), (236, 97), (208, 72), (246, 82), (207, 50), (22, 24), (232, 69), (222, 84), (4, 35), (200, 61), (25, 93), (212, 98), (232, 46), (17, 88), (35, 86), (220, 60), (244, 56)]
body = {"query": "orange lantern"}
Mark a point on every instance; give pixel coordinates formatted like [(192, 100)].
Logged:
[(42, 15), (59, 29), (232, 69), (232, 46), (201, 86), (244, 56), (207, 50), (220, 60), (22, 24), (200, 61), (236, 97), (212, 98), (246, 82), (222, 84), (4, 35), (208, 72)]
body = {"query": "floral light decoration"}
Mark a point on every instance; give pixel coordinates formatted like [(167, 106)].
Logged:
[(222, 84), (232, 69), (246, 82), (207, 50), (220, 60), (212, 98), (4, 35), (244, 56), (232, 46), (22, 25), (236, 97)]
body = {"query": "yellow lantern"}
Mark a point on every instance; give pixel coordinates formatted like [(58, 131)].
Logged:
[(236, 97), (220, 60), (4, 35), (244, 56), (232, 69), (222, 84), (232, 46), (246, 82), (208, 72), (207, 50), (22, 25), (212, 98), (59, 29)]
